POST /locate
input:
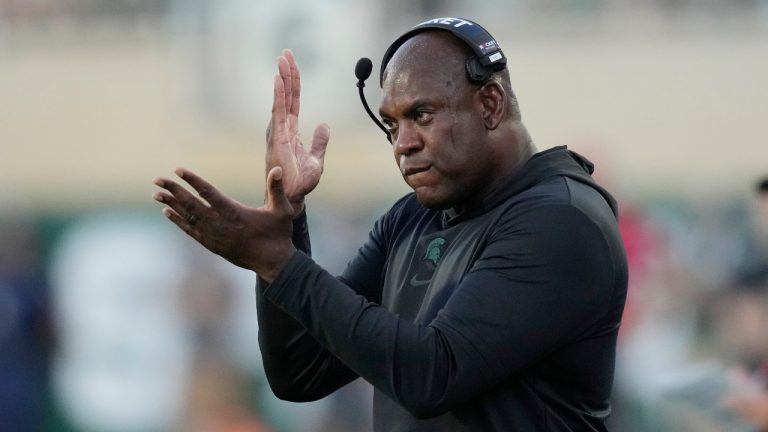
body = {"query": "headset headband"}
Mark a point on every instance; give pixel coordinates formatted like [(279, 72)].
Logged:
[(487, 59)]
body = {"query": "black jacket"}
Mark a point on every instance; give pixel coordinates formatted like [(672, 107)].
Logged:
[(502, 318)]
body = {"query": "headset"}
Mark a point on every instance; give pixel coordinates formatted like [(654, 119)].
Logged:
[(486, 57)]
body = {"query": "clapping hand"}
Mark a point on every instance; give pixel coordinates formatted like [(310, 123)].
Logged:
[(301, 168), (258, 239)]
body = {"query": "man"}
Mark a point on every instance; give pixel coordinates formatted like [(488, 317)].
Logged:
[(487, 300)]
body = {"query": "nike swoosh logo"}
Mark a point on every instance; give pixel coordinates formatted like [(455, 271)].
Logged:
[(415, 281)]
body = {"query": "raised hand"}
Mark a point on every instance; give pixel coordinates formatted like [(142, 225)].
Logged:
[(301, 168), (258, 239)]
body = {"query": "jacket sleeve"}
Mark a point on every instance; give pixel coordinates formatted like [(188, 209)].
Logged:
[(297, 367), (532, 290)]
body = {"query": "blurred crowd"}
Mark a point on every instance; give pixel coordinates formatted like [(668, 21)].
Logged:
[(113, 322), (693, 353)]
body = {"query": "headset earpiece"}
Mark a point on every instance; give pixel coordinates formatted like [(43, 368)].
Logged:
[(475, 71)]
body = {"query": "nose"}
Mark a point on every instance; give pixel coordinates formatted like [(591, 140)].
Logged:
[(406, 141)]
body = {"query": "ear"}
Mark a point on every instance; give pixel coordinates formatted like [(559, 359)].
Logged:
[(493, 104)]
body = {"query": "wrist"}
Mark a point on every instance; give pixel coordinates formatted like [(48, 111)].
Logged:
[(269, 272), (298, 207)]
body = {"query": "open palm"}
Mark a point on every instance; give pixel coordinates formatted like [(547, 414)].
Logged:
[(301, 167)]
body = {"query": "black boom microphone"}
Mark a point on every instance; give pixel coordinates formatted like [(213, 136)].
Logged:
[(363, 70)]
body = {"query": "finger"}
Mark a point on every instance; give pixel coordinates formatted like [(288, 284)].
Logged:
[(285, 71), (320, 141), (207, 191), (182, 224), (278, 104), (179, 200), (189, 215), (276, 198), (170, 212), (295, 94), (163, 197)]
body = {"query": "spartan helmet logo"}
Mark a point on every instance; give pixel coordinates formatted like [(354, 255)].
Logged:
[(435, 250)]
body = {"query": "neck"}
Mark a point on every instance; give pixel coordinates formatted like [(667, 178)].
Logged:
[(513, 151)]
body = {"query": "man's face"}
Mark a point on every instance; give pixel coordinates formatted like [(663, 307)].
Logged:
[(435, 122)]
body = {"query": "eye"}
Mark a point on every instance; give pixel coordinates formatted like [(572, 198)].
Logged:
[(422, 117), (389, 124)]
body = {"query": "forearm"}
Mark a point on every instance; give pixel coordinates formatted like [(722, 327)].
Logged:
[(406, 361), (297, 367)]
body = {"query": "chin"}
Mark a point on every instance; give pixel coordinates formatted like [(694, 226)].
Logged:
[(433, 201)]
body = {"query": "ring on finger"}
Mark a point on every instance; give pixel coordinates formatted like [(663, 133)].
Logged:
[(191, 218)]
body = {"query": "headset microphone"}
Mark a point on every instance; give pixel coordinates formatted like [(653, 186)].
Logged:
[(362, 72)]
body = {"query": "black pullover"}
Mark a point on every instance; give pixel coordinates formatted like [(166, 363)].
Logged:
[(499, 318)]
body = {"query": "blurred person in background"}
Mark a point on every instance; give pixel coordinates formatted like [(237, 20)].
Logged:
[(122, 361), (746, 323), (723, 386), (145, 343), (754, 259), (25, 331), (695, 358), (217, 390), (490, 299), (742, 328)]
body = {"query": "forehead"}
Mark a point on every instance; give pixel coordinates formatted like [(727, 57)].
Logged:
[(425, 67), (402, 90)]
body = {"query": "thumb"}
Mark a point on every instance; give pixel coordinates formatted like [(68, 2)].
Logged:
[(276, 198), (320, 141)]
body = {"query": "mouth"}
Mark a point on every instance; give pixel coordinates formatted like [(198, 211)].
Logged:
[(409, 171)]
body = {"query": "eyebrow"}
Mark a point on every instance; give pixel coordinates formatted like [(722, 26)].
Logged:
[(415, 105)]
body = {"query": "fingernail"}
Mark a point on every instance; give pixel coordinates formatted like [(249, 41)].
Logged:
[(158, 181)]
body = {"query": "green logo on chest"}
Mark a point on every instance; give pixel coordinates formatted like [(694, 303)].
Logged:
[(435, 250)]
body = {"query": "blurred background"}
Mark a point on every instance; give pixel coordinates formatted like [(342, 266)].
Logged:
[(111, 320)]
